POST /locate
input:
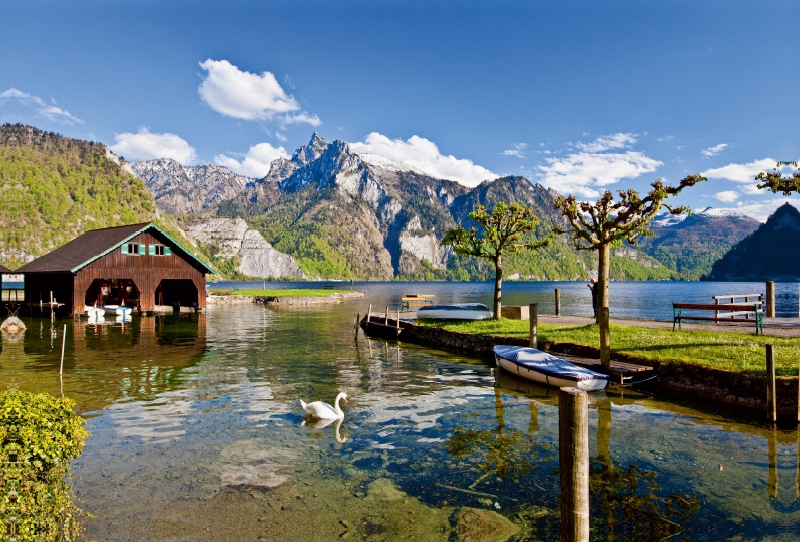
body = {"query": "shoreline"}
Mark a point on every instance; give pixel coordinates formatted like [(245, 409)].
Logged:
[(744, 392), (333, 298)]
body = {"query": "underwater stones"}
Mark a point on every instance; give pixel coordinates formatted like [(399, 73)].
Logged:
[(384, 489), (474, 525), (12, 325)]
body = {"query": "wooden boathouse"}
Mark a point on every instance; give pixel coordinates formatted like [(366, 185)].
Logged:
[(138, 265)]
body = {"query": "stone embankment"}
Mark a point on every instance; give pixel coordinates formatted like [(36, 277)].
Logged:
[(333, 298), (745, 393)]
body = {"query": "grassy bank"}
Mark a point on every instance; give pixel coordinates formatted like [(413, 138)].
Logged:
[(293, 292), (729, 351)]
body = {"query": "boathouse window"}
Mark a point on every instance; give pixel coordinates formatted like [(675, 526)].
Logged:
[(134, 249), (158, 250)]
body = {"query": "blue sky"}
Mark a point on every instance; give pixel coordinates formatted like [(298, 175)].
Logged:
[(581, 96)]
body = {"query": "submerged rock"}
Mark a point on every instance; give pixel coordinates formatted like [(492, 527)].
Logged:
[(474, 525), (12, 324)]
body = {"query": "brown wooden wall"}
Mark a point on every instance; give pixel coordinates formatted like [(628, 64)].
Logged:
[(145, 271)]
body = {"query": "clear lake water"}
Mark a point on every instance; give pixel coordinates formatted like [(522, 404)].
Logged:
[(197, 433)]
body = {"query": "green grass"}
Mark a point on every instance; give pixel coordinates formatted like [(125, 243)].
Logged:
[(728, 351), (279, 293)]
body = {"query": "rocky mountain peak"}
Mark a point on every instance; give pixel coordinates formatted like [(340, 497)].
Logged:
[(180, 189)]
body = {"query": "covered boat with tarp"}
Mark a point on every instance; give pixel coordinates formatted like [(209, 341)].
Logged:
[(458, 311), (545, 368)]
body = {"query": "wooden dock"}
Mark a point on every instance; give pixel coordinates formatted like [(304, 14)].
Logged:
[(619, 370)]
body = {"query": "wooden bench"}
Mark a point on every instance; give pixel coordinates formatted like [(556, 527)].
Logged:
[(733, 310), (416, 301)]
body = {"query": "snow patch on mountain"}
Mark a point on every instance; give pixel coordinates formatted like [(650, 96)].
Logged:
[(381, 162)]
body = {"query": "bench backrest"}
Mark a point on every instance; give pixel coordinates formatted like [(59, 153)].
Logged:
[(719, 308)]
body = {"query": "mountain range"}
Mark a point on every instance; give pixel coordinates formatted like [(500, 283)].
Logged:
[(327, 212)]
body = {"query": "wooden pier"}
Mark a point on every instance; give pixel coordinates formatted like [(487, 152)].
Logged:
[(621, 371)]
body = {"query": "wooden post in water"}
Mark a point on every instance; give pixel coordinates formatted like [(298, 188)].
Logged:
[(770, 309), (63, 345), (386, 318), (52, 313), (533, 315), (772, 458), (398, 321), (573, 463), (369, 316), (558, 302), (771, 399)]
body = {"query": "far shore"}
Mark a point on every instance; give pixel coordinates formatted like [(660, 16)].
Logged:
[(299, 296)]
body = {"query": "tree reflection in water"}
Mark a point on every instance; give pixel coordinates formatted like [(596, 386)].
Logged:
[(501, 452), (629, 506), (628, 502)]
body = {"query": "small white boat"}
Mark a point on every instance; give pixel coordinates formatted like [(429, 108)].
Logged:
[(95, 312), (460, 311), (549, 370), (118, 310)]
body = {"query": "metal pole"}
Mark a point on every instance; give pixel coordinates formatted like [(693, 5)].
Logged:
[(533, 313), (573, 463), (63, 345)]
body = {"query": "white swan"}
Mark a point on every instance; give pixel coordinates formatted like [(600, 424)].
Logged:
[(321, 410)]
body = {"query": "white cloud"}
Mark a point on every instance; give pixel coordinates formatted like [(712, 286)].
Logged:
[(301, 117), (146, 146), (606, 143), (581, 172), (50, 111), (713, 151), (517, 149), (244, 95), (761, 210), (728, 196), (742, 173), (424, 154), (256, 162)]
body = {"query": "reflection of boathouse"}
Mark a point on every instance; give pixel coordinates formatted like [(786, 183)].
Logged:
[(137, 265)]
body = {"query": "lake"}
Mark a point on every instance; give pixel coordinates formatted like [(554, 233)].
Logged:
[(197, 434)]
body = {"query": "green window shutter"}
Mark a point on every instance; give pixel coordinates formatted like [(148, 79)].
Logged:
[(151, 250), (167, 251), (124, 248), (142, 249)]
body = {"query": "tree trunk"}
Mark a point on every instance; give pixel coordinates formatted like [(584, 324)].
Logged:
[(498, 286), (602, 301)]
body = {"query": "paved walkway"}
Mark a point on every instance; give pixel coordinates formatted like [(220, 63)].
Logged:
[(775, 327)]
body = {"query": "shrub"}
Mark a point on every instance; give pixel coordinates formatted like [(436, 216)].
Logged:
[(39, 435)]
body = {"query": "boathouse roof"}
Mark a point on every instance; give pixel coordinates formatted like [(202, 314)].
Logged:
[(94, 244), (4, 269)]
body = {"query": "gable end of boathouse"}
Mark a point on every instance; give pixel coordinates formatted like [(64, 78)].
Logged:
[(138, 265)]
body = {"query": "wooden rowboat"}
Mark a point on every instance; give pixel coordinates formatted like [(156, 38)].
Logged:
[(542, 367)]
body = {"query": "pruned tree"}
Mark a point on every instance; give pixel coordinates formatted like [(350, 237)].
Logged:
[(779, 182), (607, 223), (502, 233)]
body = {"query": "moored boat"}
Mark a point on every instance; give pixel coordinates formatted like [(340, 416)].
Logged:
[(95, 312), (542, 367), (118, 310), (459, 311)]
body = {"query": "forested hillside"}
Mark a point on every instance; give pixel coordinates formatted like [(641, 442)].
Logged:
[(54, 188)]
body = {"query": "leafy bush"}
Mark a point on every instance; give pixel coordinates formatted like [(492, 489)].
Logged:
[(39, 435)]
